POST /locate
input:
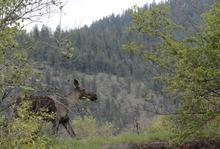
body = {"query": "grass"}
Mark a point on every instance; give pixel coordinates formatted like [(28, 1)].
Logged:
[(98, 142), (159, 130), (93, 143)]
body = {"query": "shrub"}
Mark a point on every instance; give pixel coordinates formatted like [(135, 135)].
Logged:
[(89, 127), (161, 128), (23, 132)]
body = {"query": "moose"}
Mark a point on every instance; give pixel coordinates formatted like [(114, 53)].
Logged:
[(61, 109)]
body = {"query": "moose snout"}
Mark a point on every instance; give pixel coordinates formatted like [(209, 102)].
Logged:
[(94, 98)]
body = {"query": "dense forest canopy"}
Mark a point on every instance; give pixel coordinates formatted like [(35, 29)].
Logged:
[(98, 48)]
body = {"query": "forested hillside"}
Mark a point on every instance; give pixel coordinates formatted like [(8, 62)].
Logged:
[(123, 79), (98, 48), (148, 74)]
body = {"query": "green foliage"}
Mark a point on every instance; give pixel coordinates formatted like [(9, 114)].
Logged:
[(23, 132), (189, 65), (14, 69), (97, 142), (93, 143), (67, 50), (89, 127), (132, 47), (160, 128), (158, 124)]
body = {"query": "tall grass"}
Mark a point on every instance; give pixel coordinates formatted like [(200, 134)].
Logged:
[(159, 129)]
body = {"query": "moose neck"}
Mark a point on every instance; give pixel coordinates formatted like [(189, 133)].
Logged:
[(71, 99)]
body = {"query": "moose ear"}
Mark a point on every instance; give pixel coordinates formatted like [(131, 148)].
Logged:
[(76, 83)]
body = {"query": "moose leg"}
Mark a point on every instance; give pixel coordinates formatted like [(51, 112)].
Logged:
[(55, 127), (69, 128)]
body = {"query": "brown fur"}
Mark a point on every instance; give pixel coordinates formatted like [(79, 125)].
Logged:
[(60, 109)]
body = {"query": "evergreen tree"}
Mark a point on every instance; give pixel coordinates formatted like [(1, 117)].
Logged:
[(190, 66)]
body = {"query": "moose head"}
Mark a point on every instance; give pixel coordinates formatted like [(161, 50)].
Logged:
[(81, 94)]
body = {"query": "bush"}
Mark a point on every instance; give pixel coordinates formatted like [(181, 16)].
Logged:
[(89, 127), (161, 128), (23, 132)]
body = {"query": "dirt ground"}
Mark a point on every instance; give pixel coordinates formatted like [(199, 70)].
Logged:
[(202, 144)]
